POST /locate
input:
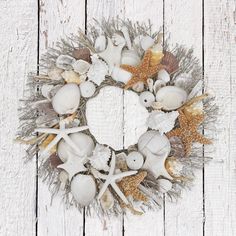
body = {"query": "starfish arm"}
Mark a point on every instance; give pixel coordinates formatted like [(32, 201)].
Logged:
[(183, 121), (152, 71), (112, 165), (146, 60), (119, 193), (103, 189), (69, 141), (124, 174), (50, 145), (201, 139), (129, 68), (131, 82), (138, 195), (76, 129), (47, 130), (174, 132)]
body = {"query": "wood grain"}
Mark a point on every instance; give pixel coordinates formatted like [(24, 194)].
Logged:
[(18, 23)]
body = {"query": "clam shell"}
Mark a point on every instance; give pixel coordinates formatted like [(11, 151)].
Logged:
[(67, 99), (170, 62), (164, 185), (65, 62), (82, 53), (81, 66), (130, 57), (87, 89), (55, 73), (83, 141), (118, 74), (171, 97), (100, 43), (83, 188), (163, 75), (71, 77)]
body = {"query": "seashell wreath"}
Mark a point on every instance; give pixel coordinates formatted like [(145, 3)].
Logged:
[(92, 175)]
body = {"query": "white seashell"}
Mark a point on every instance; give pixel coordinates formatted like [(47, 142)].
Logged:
[(134, 160), (157, 85), (81, 66), (100, 43), (146, 98), (107, 200), (65, 62), (46, 89), (146, 42), (138, 87), (150, 84), (71, 77), (83, 142), (125, 32), (154, 142), (100, 157), (164, 185), (83, 188), (55, 73), (87, 89), (163, 75), (130, 57), (171, 97), (156, 148), (98, 70), (183, 80), (117, 39), (67, 99), (118, 74), (161, 121)]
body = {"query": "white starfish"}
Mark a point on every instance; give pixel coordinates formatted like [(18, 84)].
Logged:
[(111, 179), (74, 164), (156, 164), (61, 133)]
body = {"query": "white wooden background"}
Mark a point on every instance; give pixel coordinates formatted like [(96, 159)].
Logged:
[(28, 27)]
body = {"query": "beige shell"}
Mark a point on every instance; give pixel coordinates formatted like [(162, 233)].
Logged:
[(71, 77), (107, 200), (157, 54), (55, 73)]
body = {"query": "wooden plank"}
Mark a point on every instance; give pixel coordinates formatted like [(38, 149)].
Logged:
[(183, 23), (58, 19), (18, 57), (151, 223), (220, 71)]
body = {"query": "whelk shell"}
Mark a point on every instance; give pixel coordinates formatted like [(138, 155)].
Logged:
[(157, 54)]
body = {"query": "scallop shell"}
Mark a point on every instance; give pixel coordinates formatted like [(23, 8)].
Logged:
[(171, 97), (81, 66), (118, 74), (82, 53), (65, 62), (100, 157), (164, 185), (100, 43), (130, 57), (71, 77), (170, 62), (161, 121), (67, 99), (83, 188), (55, 73)]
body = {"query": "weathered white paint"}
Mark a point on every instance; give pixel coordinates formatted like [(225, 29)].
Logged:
[(183, 19)]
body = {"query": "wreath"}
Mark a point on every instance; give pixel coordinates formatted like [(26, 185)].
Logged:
[(169, 84)]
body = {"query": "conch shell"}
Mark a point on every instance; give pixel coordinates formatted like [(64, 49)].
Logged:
[(157, 55)]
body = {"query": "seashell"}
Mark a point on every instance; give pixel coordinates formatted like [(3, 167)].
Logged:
[(157, 106), (67, 99), (55, 160), (65, 62), (157, 54), (87, 89), (170, 62), (64, 178), (107, 200), (118, 39), (134, 160), (174, 167), (48, 140), (138, 87), (146, 42), (55, 73), (100, 157), (146, 98), (97, 71), (157, 85), (150, 84), (118, 74), (161, 121), (81, 66), (163, 75), (121, 161), (156, 148), (82, 54), (83, 141), (83, 188), (71, 77), (171, 97), (130, 57), (152, 141), (100, 43), (164, 185), (183, 81), (46, 89), (125, 31)]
